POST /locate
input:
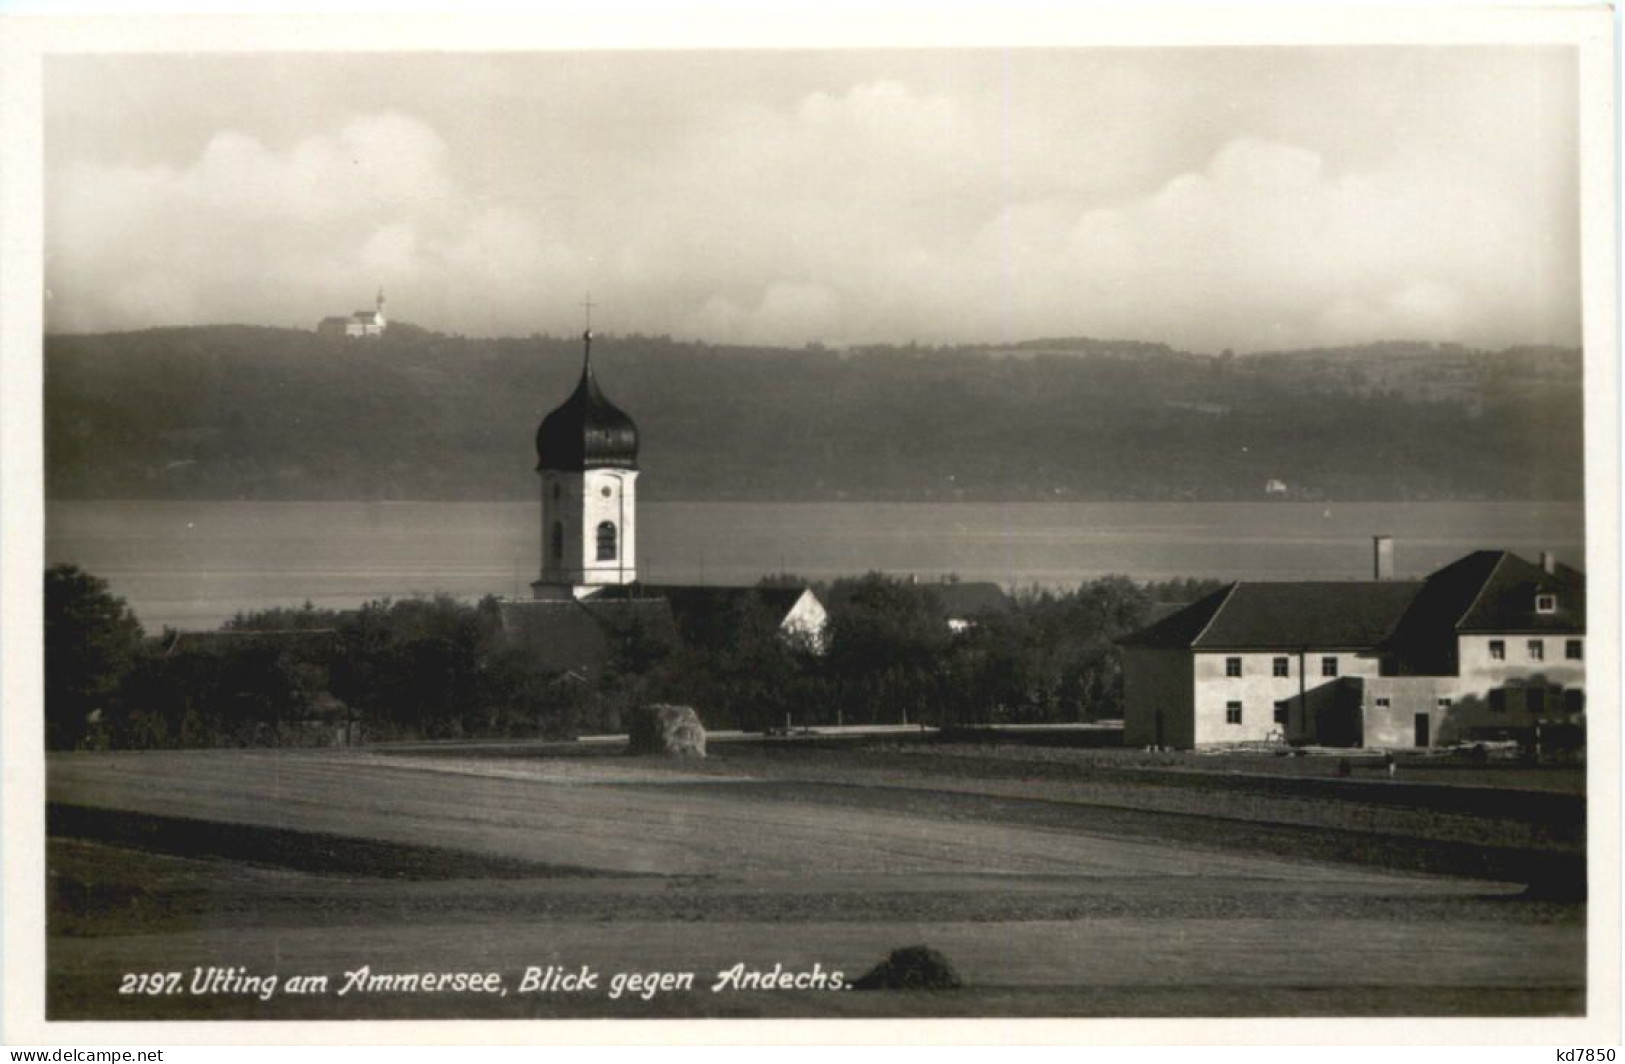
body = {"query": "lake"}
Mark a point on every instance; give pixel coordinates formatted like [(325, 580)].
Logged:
[(194, 564)]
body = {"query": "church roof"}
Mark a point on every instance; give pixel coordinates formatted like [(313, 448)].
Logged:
[(587, 431), (689, 600), (582, 634)]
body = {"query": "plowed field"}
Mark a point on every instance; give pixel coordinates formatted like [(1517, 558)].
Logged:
[(1050, 899)]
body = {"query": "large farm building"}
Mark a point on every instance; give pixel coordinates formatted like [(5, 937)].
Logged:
[(1491, 645)]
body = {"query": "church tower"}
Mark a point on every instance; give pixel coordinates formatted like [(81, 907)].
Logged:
[(587, 453)]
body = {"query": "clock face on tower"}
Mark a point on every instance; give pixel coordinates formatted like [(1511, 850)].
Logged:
[(605, 492)]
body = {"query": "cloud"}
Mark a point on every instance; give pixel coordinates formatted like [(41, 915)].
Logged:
[(1263, 247), (872, 209), (245, 228), (785, 308)]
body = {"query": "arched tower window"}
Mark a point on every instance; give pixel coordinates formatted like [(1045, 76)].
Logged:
[(558, 540), (606, 541)]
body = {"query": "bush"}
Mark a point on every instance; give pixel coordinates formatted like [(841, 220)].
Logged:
[(911, 968)]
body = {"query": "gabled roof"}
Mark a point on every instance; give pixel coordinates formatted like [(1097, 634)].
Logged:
[(1323, 615), (1447, 593), (1485, 591), (1180, 628), (570, 634), (1506, 602), (690, 600), (1425, 637)]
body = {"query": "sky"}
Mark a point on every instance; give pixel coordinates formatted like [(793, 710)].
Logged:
[(1250, 198)]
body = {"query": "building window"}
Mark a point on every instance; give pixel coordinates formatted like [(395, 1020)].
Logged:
[(1328, 666), (1537, 650), (1498, 700), (606, 541), (1444, 703), (557, 491), (1498, 650), (1281, 712), (1545, 603), (1534, 699), (1232, 712), (1383, 703), (1573, 650), (1574, 700), (558, 540), (1283, 666), (1232, 666)]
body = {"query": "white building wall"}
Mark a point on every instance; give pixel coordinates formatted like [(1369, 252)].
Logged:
[(1390, 705), (807, 620), (1258, 689), (580, 502), (1495, 692), (609, 495), (1479, 670)]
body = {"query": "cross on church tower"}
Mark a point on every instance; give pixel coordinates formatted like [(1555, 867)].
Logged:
[(586, 335)]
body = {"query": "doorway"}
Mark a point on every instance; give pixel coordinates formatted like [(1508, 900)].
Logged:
[(1421, 729)]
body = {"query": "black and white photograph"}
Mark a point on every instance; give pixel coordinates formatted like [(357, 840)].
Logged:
[(1092, 528)]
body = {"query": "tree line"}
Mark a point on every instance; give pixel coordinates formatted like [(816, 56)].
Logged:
[(230, 412), (439, 668)]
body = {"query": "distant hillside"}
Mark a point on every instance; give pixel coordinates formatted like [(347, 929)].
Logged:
[(240, 412)]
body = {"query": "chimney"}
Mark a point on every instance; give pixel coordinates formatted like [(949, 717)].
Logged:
[(1382, 557), (1548, 562)]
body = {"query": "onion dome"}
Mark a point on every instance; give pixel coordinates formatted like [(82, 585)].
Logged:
[(587, 431)]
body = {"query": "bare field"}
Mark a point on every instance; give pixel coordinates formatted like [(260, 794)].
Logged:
[(1050, 901)]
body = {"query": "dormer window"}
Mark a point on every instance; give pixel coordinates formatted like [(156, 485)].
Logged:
[(1545, 602)]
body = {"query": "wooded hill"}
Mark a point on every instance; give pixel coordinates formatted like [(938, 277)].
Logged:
[(239, 412)]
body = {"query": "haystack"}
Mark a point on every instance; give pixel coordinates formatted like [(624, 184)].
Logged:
[(911, 968), (674, 731)]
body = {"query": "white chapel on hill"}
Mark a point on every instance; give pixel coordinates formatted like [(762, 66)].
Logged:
[(362, 325)]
